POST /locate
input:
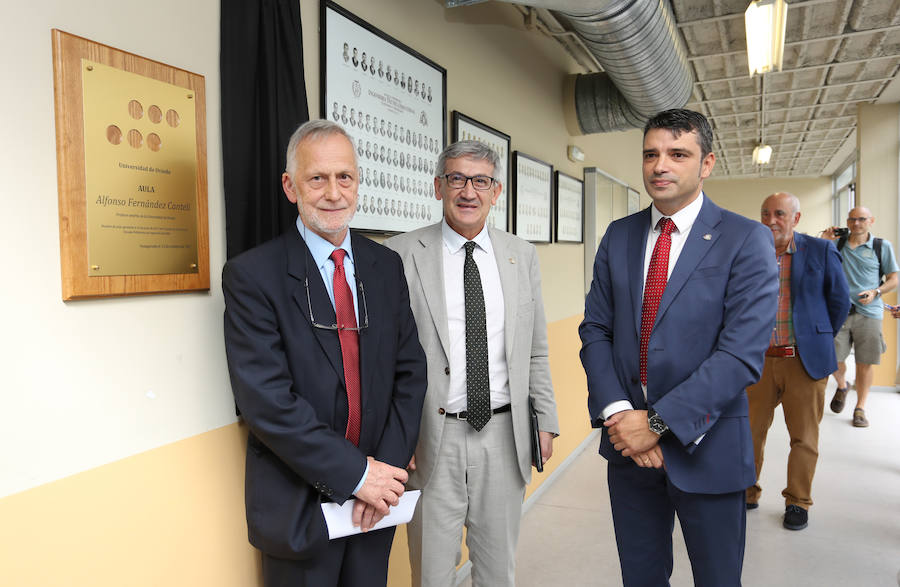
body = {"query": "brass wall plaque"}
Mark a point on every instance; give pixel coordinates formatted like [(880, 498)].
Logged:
[(140, 170), (131, 168)]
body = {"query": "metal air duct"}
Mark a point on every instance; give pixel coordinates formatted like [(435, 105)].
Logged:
[(641, 51)]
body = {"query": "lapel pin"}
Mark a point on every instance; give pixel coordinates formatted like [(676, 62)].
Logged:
[(707, 237), (512, 260)]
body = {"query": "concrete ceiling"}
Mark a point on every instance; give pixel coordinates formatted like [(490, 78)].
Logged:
[(838, 54)]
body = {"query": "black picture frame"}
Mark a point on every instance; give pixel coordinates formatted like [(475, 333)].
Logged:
[(532, 198), (568, 208), (467, 128), (398, 127)]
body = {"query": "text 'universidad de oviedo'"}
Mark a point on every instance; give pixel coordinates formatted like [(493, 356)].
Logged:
[(104, 200)]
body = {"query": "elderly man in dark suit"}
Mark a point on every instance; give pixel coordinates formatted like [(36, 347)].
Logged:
[(327, 370), (676, 323), (813, 302)]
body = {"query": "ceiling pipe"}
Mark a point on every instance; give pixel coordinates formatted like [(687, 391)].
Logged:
[(645, 63)]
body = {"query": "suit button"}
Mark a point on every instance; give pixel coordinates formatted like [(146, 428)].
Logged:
[(441, 411), (446, 370)]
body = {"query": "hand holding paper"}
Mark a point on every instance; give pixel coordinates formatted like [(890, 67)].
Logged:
[(340, 518)]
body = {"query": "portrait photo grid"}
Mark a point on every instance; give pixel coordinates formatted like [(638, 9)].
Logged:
[(533, 198), (391, 102), (569, 208)]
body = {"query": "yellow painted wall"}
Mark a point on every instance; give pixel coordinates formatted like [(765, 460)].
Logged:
[(174, 516)]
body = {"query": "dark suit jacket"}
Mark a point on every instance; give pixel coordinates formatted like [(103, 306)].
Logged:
[(820, 301), (288, 382), (712, 329)]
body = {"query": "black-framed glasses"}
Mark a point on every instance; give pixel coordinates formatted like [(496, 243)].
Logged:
[(857, 219), (458, 181), (362, 297)]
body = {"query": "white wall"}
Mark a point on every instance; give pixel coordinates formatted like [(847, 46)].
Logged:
[(76, 376)]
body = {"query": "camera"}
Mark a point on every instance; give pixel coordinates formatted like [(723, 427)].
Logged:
[(839, 232)]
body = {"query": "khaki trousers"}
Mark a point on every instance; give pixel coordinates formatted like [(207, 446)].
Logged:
[(784, 381)]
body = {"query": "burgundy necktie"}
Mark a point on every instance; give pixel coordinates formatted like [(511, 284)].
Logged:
[(346, 318), (654, 286)]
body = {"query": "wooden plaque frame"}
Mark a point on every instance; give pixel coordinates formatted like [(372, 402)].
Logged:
[(68, 51)]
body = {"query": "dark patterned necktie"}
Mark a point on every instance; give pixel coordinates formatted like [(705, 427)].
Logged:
[(346, 318), (478, 389), (654, 286)]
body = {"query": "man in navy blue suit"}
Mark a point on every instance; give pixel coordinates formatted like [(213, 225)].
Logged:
[(676, 324), (813, 302), (328, 373)]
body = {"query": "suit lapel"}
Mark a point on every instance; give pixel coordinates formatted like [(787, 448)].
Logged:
[(429, 262), (509, 283), (371, 299), (299, 260), (701, 239), (638, 232)]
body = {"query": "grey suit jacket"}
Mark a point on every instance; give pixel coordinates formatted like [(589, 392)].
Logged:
[(525, 337)]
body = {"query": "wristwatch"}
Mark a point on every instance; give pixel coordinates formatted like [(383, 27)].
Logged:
[(656, 423), (877, 291)]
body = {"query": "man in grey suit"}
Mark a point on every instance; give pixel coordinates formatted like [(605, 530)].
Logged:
[(476, 297)]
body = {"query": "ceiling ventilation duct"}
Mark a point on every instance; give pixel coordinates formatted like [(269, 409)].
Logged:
[(644, 60)]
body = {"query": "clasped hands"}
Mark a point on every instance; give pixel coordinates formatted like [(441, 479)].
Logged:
[(631, 435), (382, 489)]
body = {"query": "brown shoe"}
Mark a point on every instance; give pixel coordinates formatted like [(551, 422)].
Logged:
[(837, 402), (859, 418)]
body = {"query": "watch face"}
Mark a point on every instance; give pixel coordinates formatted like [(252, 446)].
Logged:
[(657, 425)]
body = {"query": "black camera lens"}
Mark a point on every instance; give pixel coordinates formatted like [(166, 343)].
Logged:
[(841, 232)]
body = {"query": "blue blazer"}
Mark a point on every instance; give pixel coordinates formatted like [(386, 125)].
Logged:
[(820, 302), (288, 382), (712, 329)]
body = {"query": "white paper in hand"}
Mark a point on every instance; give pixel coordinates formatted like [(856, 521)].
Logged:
[(339, 518)]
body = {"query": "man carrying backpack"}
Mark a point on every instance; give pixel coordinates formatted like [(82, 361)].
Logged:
[(866, 260)]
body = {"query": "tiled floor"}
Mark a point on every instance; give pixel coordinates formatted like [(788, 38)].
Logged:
[(853, 537)]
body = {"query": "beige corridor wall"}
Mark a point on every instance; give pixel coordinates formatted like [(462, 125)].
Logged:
[(123, 462), (745, 196), (878, 144)]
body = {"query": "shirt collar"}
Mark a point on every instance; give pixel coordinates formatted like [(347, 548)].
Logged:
[(319, 248), (455, 241), (683, 219)]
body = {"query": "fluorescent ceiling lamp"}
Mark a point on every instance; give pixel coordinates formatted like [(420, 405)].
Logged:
[(766, 21), (762, 154)]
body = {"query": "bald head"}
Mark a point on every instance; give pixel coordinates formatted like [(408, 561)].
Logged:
[(781, 213), (859, 221)]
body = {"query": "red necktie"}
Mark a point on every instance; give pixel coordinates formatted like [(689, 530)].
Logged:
[(654, 287), (346, 318)]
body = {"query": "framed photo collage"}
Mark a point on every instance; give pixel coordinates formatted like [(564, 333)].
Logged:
[(392, 100)]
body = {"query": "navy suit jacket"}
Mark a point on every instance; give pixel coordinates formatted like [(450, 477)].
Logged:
[(708, 343), (288, 382), (820, 302)]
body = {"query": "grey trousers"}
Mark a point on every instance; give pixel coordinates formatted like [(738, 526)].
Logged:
[(476, 483)]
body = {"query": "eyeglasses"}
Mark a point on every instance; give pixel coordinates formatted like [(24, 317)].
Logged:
[(458, 181), (362, 297), (857, 218), (312, 318)]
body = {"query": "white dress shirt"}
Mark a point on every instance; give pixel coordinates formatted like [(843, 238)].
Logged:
[(454, 257), (684, 221)]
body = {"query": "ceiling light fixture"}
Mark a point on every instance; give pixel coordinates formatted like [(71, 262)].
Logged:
[(762, 154), (765, 21)]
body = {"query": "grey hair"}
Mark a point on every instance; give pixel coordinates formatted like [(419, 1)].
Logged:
[(312, 130), (468, 150)]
